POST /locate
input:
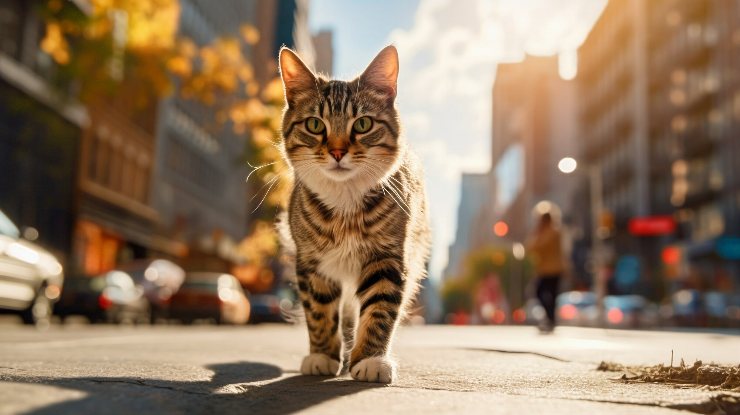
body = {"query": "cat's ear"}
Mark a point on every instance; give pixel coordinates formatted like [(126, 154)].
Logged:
[(382, 73), (297, 78)]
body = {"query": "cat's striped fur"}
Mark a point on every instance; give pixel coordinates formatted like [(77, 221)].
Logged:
[(357, 215)]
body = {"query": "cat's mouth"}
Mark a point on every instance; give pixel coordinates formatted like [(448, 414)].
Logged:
[(338, 172)]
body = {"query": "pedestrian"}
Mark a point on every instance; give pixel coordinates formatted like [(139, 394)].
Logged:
[(545, 248)]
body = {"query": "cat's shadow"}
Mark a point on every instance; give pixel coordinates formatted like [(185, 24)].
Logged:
[(240, 387)]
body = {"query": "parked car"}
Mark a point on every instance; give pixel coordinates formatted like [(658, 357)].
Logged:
[(630, 311), (279, 306), (576, 308), (109, 298), (160, 279), (722, 309), (210, 295), (30, 277), (688, 308)]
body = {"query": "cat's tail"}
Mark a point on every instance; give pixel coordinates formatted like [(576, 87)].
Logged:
[(286, 239), (293, 314)]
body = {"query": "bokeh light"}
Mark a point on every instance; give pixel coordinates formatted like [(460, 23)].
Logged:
[(500, 229), (567, 165)]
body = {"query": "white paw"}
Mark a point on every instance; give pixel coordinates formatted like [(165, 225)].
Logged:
[(375, 369), (319, 364)]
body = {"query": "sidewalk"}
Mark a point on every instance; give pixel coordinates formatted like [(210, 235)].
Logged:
[(454, 370)]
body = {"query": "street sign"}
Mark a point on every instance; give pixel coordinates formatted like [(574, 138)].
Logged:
[(652, 226)]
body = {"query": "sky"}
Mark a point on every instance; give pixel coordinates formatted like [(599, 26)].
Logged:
[(448, 51)]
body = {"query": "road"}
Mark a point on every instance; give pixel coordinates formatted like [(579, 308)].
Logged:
[(452, 370)]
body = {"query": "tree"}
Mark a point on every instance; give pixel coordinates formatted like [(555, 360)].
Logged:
[(458, 293), (130, 50)]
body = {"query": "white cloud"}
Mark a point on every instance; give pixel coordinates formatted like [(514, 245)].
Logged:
[(448, 61)]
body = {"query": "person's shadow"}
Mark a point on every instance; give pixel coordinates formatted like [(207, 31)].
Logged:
[(241, 387)]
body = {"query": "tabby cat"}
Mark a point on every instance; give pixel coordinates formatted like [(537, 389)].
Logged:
[(357, 216)]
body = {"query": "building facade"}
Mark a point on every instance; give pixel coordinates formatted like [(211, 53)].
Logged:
[(198, 185), (324, 49), (534, 125), (40, 136), (660, 120), (475, 194)]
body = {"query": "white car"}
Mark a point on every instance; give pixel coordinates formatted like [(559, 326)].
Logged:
[(30, 277)]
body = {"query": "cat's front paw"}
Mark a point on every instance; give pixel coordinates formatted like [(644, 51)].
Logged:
[(375, 369), (319, 364)]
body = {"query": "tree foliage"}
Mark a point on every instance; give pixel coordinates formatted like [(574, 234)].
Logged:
[(130, 51), (459, 291)]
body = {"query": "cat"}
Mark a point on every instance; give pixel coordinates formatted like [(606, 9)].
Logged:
[(357, 216)]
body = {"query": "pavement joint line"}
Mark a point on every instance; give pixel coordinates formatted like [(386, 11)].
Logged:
[(546, 356)]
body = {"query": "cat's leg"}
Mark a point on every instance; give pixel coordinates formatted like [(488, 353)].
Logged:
[(348, 322), (380, 294), (320, 298)]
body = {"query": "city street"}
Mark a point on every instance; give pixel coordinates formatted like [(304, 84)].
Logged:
[(204, 369)]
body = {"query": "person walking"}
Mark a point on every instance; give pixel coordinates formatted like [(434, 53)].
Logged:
[(545, 247)]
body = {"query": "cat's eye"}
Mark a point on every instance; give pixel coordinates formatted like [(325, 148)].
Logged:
[(363, 125), (315, 125)]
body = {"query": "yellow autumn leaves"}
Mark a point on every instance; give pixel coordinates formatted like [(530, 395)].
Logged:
[(141, 36)]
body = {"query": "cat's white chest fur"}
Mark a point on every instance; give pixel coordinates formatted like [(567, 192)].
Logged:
[(342, 261)]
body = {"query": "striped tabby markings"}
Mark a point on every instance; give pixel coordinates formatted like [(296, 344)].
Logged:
[(380, 293), (320, 299)]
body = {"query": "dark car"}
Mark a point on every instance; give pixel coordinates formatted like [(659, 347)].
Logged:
[(30, 277), (160, 279), (109, 298), (630, 311), (278, 306), (577, 308), (722, 309), (265, 308), (212, 296)]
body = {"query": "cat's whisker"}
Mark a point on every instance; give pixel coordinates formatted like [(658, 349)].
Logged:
[(394, 193), (255, 168), (257, 193), (273, 181)]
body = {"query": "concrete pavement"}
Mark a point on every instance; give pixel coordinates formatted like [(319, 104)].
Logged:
[(202, 369)]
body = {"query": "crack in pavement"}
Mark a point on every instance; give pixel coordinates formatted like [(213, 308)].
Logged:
[(718, 404), (546, 356), (721, 404), (142, 382)]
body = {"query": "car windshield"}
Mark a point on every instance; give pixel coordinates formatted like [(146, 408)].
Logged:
[(7, 227)]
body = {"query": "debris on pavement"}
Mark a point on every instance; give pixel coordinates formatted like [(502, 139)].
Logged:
[(711, 376)]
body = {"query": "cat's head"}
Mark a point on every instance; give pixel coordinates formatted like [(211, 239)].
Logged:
[(339, 131)]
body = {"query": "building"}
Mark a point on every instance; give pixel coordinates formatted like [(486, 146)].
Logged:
[(534, 125), (324, 49), (475, 194), (613, 88), (694, 122), (198, 185), (39, 135), (659, 84), (281, 23)]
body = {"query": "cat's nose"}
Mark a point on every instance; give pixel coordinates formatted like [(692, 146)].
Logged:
[(338, 153)]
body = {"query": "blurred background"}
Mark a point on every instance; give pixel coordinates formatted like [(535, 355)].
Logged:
[(139, 174)]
